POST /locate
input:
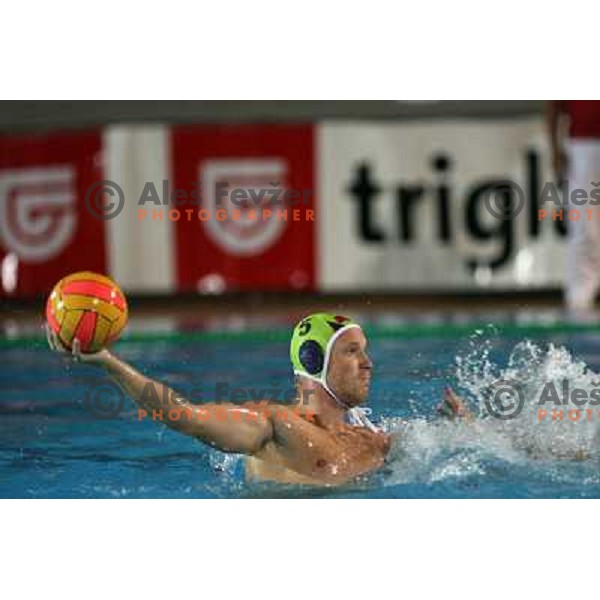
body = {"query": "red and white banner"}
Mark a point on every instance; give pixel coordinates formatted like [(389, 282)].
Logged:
[(329, 207), (268, 246), (45, 230)]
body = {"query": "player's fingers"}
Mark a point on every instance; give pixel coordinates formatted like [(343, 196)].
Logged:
[(448, 401), (49, 336), (53, 340), (57, 343), (452, 399), (444, 409), (76, 351)]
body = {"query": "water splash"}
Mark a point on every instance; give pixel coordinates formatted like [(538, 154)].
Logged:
[(230, 470), (429, 449)]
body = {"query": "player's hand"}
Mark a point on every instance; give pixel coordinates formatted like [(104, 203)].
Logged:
[(453, 406), (75, 353)]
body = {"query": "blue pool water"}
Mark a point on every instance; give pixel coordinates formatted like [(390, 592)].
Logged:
[(52, 447)]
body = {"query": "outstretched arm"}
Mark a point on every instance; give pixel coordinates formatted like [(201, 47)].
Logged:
[(228, 427)]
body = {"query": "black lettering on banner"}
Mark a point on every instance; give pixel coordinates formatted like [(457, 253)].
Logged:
[(410, 198), (501, 229), (364, 192), (407, 196), (441, 164), (533, 189)]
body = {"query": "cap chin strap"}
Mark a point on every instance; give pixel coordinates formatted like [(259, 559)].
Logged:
[(356, 415)]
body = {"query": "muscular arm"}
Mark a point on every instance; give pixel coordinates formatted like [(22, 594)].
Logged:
[(233, 428), (228, 427)]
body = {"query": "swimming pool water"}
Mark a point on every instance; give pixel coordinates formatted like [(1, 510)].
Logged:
[(52, 447)]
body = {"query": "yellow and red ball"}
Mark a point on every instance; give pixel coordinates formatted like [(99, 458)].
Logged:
[(89, 307)]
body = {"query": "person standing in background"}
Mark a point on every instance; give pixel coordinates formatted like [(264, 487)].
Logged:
[(577, 159)]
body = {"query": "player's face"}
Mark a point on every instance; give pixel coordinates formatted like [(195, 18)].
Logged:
[(349, 374)]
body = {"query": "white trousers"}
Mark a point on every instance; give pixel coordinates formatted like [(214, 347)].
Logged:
[(583, 242)]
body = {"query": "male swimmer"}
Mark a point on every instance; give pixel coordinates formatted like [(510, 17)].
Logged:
[(327, 440)]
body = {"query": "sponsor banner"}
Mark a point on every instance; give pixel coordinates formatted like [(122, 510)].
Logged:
[(248, 222), (404, 206), (45, 230), (390, 207)]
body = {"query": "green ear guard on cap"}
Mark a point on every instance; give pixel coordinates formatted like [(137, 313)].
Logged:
[(312, 341)]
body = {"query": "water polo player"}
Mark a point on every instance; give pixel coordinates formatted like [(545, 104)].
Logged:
[(326, 439)]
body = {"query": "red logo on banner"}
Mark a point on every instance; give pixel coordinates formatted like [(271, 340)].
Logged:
[(256, 242), (243, 236), (45, 231)]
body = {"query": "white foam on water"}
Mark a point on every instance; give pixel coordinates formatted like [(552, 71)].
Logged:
[(435, 449)]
